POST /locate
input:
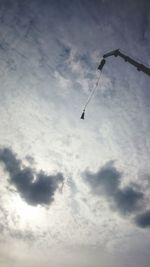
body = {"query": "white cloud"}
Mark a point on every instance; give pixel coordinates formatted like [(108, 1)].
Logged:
[(49, 54)]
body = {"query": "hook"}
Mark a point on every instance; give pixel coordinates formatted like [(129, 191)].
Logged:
[(83, 114)]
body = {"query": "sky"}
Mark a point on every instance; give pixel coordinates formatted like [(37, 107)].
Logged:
[(74, 193)]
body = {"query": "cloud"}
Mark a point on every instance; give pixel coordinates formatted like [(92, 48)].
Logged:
[(107, 181), (143, 219), (35, 188), (128, 200)]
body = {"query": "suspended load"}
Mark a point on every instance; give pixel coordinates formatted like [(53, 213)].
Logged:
[(83, 114)]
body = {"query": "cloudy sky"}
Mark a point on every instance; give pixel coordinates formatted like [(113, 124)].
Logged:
[(74, 193)]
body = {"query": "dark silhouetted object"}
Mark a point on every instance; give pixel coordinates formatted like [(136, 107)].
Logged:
[(101, 65), (116, 53), (83, 114), (139, 66)]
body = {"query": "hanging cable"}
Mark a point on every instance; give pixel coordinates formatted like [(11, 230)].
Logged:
[(94, 89)]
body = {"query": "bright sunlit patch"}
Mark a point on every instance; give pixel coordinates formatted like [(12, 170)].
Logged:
[(26, 213)]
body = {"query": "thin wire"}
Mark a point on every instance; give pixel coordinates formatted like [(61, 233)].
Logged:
[(93, 91)]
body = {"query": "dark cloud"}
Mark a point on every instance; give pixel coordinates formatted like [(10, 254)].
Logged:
[(35, 188), (107, 182), (128, 199), (143, 220)]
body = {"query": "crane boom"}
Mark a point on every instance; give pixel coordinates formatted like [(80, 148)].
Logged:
[(139, 66)]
